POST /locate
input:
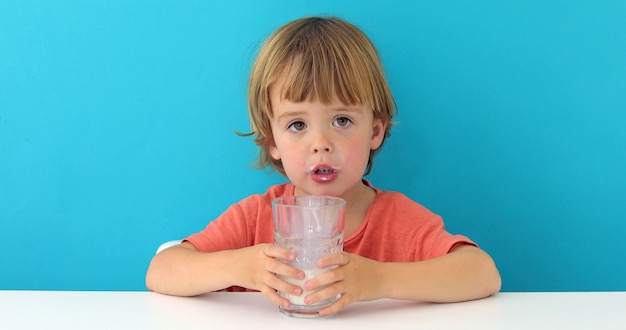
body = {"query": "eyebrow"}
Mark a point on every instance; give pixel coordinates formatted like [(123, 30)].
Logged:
[(290, 114)]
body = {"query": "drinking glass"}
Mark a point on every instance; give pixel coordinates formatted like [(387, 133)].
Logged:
[(311, 227)]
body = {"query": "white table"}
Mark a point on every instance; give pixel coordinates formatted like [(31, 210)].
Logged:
[(148, 310)]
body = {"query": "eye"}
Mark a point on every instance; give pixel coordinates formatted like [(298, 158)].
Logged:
[(297, 126), (342, 122)]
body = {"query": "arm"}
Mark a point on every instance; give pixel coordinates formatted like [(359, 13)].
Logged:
[(184, 271), (465, 273)]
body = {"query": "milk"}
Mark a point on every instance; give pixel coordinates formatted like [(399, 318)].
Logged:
[(308, 274)]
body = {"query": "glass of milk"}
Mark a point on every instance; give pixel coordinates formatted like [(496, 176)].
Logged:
[(311, 227)]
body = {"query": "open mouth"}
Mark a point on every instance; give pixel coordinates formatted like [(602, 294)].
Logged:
[(324, 171)]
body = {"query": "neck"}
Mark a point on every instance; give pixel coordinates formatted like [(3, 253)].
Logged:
[(358, 201)]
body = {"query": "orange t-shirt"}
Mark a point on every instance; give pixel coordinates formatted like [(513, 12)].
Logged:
[(394, 229)]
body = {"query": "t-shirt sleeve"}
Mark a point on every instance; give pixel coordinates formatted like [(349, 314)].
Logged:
[(437, 240), (400, 229), (226, 232)]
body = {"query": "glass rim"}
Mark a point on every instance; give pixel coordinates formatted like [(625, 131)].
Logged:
[(279, 200)]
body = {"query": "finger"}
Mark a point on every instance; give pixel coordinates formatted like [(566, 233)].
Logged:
[(326, 278), (339, 259), (279, 252), (285, 286), (325, 292), (335, 307), (280, 268), (274, 297)]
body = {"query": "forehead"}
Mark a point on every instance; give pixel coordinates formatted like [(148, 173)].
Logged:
[(282, 93), (303, 78), (294, 86)]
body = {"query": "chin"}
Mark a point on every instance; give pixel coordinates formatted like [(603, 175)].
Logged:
[(317, 189)]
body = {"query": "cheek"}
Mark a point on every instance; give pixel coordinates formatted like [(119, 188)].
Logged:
[(292, 166), (284, 152), (358, 152)]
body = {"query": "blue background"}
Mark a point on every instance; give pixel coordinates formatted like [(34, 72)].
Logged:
[(117, 123)]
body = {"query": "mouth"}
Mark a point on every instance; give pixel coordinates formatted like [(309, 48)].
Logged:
[(323, 173), (322, 169)]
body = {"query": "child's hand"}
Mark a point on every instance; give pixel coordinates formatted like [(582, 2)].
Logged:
[(258, 267), (356, 279)]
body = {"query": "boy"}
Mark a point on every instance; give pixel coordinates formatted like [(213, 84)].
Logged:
[(320, 109)]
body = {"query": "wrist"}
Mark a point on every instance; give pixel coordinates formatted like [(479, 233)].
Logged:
[(381, 281)]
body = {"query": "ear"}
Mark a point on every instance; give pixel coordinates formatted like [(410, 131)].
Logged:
[(273, 150), (378, 133)]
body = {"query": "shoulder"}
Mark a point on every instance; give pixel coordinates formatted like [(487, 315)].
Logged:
[(393, 203), (264, 199), (244, 223)]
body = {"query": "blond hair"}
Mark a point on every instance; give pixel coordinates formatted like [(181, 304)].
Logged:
[(321, 58)]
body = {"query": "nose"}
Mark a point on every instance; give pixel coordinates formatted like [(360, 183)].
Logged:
[(321, 142)]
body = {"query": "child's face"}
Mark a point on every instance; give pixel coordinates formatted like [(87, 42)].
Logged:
[(324, 148)]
